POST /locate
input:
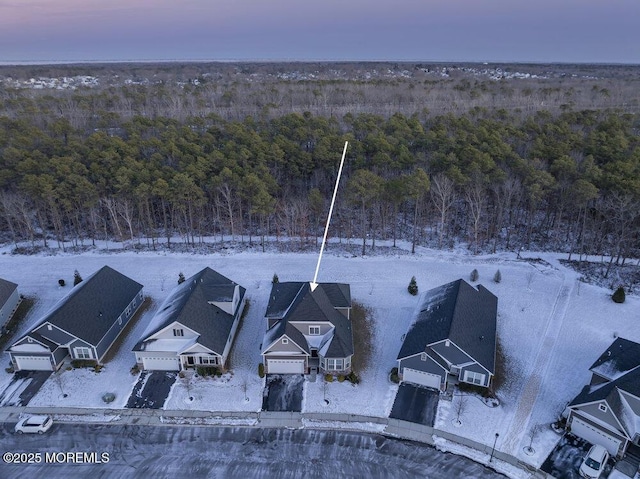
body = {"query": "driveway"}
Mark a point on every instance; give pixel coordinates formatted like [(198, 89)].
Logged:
[(23, 386), (207, 452), (152, 389), (415, 404), (283, 393), (565, 459)]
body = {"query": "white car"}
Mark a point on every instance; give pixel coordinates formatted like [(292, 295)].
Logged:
[(33, 424), (594, 462)]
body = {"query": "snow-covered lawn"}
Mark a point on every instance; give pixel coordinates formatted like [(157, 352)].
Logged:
[(550, 330)]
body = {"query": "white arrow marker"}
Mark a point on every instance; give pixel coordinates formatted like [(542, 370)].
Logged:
[(314, 285)]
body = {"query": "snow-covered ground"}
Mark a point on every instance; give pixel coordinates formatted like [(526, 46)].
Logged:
[(550, 329)]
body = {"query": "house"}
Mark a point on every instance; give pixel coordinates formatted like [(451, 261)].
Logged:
[(308, 329), (607, 411), (453, 338), (83, 325), (195, 326), (9, 300)]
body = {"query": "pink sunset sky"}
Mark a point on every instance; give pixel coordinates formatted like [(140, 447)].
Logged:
[(602, 31)]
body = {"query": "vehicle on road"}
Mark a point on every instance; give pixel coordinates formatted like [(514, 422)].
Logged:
[(594, 462), (34, 424)]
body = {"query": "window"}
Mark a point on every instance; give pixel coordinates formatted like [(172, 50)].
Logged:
[(314, 330), (209, 360), (347, 363), (474, 378), (423, 356), (49, 327), (602, 407), (178, 332), (83, 353), (285, 341), (447, 343), (334, 365)]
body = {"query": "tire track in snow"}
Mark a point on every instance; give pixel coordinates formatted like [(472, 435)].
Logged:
[(531, 389)]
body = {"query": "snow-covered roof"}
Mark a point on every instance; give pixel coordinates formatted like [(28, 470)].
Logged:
[(192, 305), (620, 357)]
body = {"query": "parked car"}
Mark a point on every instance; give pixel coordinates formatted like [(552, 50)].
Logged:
[(33, 424), (594, 462)]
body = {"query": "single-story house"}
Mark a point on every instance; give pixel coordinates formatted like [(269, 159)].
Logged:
[(607, 411), (308, 329), (9, 301), (84, 324), (453, 337), (195, 326)]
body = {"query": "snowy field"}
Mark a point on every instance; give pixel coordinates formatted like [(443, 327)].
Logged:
[(551, 328)]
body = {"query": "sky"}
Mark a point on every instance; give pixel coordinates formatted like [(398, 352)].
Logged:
[(584, 31)]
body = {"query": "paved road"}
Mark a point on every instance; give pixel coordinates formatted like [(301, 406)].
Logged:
[(195, 452)]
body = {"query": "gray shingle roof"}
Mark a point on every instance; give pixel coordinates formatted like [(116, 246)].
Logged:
[(189, 304), (93, 306), (294, 301), (620, 361), (620, 357), (458, 312), (6, 290)]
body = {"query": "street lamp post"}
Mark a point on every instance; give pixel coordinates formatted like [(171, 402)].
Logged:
[(494, 446)]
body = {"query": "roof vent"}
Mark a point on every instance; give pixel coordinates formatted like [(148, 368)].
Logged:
[(481, 338)]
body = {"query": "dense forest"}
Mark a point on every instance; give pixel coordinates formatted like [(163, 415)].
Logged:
[(75, 168)]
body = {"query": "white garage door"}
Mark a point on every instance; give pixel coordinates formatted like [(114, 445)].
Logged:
[(34, 363), (594, 435), (161, 363), (285, 366), (422, 378)]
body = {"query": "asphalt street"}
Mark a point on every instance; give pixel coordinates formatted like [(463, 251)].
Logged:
[(202, 452)]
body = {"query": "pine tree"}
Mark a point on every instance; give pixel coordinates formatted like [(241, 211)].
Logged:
[(619, 295), (413, 286), (77, 279), (474, 275), (497, 277), (180, 278), (275, 279)]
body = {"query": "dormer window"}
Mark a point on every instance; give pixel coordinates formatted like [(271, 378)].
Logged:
[(314, 330), (602, 407)]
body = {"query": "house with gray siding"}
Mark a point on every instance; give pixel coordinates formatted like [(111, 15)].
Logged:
[(83, 325), (9, 301), (452, 338), (195, 326), (308, 329), (607, 411)]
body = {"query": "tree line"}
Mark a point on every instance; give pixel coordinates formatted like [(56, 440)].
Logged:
[(487, 178)]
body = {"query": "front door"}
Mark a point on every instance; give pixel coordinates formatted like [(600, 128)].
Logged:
[(190, 361)]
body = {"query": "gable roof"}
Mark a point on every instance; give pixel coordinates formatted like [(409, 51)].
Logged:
[(92, 306), (458, 312), (190, 304), (6, 290), (295, 301), (620, 357)]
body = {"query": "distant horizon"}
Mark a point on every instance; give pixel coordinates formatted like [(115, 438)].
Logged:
[(469, 31), (293, 61)]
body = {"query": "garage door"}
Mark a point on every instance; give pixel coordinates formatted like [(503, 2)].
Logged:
[(161, 363), (594, 435), (285, 366), (422, 378), (34, 363)]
